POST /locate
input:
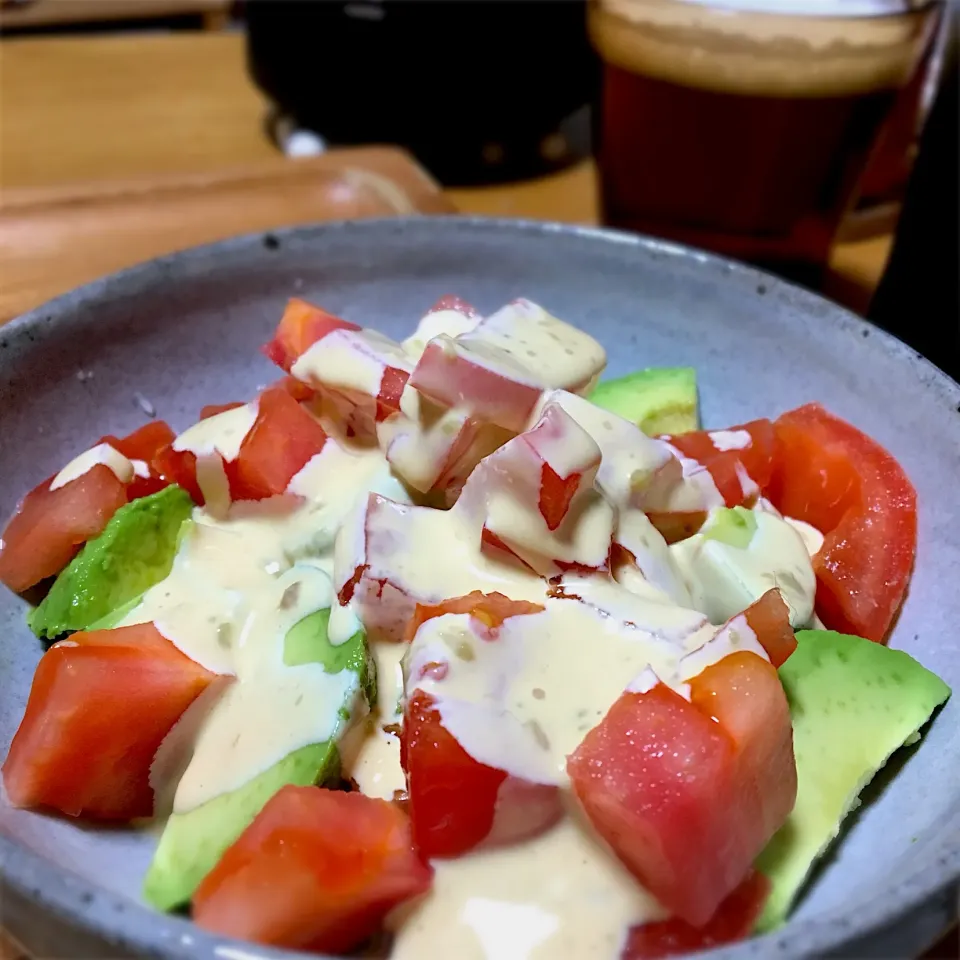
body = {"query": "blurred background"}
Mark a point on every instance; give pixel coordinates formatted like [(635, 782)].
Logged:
[(814, 138)]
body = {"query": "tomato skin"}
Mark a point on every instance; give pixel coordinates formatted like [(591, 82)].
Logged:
[(658, 779), (214, 409), (734, 920), (490, 608), (180, 467), (316, 870), (769, 619), (50, 526), (100, 705), (833, 476), (278, 445), (144, 444), (301, 326), (756, 457), (743, 693), (453, 797)]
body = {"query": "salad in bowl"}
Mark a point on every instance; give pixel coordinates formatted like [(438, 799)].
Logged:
[(450, 646)]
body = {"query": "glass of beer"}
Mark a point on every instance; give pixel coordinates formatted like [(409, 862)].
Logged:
[(743, 126)]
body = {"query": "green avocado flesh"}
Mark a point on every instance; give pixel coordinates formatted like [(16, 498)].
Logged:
[(853, 703), (658, 400), (135, 551), (734, 526), (193, 842)]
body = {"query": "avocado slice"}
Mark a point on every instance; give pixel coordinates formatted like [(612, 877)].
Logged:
[(658, 399), (853, 703), (193, 842), (734, 526), (135, 551)]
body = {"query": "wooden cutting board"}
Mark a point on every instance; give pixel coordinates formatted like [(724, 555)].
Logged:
[(54, 238)]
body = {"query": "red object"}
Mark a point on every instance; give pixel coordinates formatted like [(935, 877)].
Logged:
[(215, 409), (457, 304), (50, 526), (833, 476), (301, 326), (100, 705), (490, 608), (769, 619), (453, 797), (145, 445), (756, 457), (742, 692), (180, 467), (281, 441), (316, 870), (734, 920), (665, 786), (454, 375)]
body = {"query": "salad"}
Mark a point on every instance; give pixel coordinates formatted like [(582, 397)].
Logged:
[(450, 647)]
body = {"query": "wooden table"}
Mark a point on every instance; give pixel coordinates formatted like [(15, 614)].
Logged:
[(118, 107)]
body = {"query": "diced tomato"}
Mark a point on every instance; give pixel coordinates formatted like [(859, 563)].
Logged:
[(100, 705), (659, 781), (145, 445), (180, 467), (301, 326), (769, 619), (490, 608), (213, 409), (296, 388), (454, 375), (742, 692), (453, 797), (50, 526), (278, 445), (836, 478), (732, 469), (733, 921), (457, 304), (317, 870)]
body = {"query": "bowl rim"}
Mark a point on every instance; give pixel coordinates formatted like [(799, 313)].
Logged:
[(128, 923)]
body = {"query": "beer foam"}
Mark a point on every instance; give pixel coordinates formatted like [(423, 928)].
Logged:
[(717, 48)]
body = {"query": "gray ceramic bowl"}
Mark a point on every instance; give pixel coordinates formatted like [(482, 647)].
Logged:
[(184, 330)]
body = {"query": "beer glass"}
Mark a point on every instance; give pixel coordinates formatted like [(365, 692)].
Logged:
[(743, 126)]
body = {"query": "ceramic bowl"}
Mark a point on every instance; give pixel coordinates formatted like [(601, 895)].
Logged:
[(173, 334)]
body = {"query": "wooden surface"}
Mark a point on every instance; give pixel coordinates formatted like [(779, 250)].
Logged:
[(55, 238), (46, 12), (117, 108)]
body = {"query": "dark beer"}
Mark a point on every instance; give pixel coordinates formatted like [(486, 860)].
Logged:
[(744, 132)]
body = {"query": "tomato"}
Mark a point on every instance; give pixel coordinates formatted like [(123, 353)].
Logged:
[(742, 692), (453, 797), (734, 920), (490, 608), (453, 374), (317, 870), (213, 409), (662, 783), (756, 455), (831, 475), (180, 467), (100, 705), (769, 619), (50, 526), (145, 445), (278, 445), (301, 326)]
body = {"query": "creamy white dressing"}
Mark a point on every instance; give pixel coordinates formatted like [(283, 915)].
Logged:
[(562, 894), (453, 323), (352, 361), (730, 439), (812, 538), (100, 455), (223, 433), (723, 579)]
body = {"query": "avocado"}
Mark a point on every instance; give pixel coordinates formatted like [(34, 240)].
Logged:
[(853, 703), (658, 400), (193, 842), (734, 526), (134, 552)]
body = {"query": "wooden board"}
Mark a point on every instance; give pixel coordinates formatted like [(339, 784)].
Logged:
[(55, 238)]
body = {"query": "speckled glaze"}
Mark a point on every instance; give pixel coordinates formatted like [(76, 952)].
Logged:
[(183, 331)]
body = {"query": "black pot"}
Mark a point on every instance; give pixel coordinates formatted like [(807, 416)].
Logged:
[(481, 91)]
